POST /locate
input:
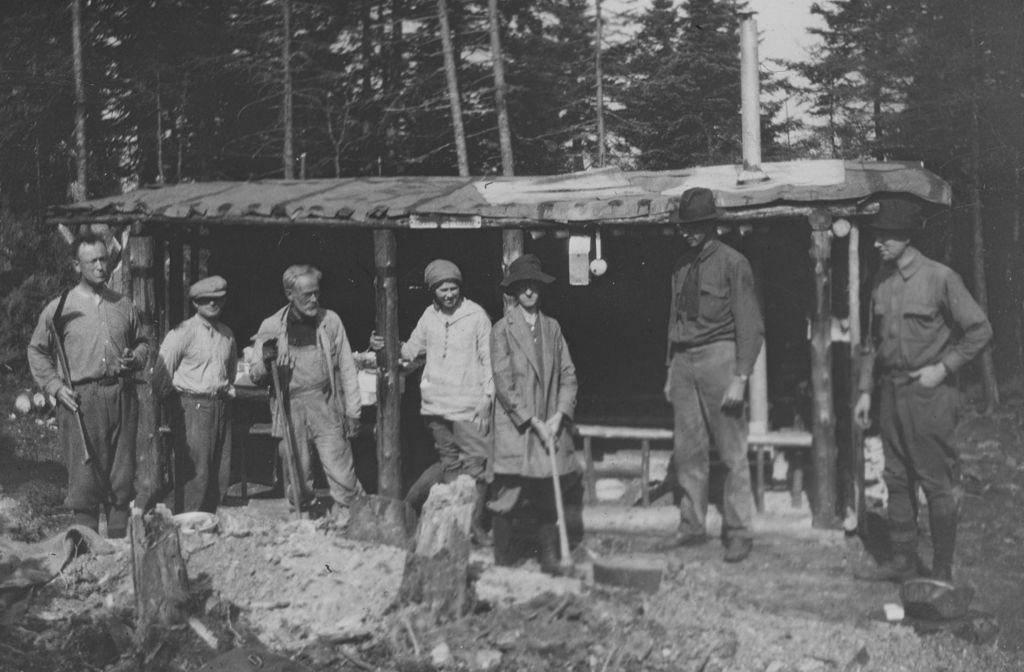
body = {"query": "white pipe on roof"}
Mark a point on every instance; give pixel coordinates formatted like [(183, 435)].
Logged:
[(750, 103)]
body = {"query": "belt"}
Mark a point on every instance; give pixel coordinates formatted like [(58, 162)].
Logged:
[(324, 389), (900, 377), (104, 381), (679, 347), (202, 395)]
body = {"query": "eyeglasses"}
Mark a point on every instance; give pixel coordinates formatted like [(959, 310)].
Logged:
[(207, 300)]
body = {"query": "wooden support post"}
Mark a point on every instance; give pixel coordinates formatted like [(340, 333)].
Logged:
[(757, 386), (176, 296), (825, 448), (511, 249), (856, 437), (160, 286), (148, 473), (389, 455)]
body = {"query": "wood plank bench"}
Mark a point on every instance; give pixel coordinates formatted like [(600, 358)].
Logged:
[(758, 444)]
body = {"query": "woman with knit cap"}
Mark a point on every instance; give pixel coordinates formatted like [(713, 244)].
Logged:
[(535, 386), (457, 386)]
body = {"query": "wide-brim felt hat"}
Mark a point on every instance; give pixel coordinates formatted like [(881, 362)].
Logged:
[(213, 286), (696, 205), (526, 267), (897, 214)]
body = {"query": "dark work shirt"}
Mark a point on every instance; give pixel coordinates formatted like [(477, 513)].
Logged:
[(301, 328), (728, 306), (921, 314)]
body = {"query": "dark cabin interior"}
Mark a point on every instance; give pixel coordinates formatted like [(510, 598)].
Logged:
[(615, 326)]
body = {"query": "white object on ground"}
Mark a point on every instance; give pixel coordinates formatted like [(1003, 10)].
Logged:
[(893, 612)]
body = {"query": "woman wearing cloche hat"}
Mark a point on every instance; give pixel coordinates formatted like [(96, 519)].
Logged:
[(535, 387)]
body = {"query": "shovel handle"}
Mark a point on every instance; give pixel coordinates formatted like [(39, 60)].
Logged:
[(563, 533)]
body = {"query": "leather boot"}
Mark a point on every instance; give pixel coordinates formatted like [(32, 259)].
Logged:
[(478, 531), (943, 528), (501, 526), (902, 566), (117, 522), (547, 537), (87, 518)]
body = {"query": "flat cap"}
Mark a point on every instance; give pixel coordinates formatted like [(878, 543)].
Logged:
[(214, 286)]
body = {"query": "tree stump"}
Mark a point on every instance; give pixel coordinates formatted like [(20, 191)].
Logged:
[(161, 584), (382, 520), (437, 572)]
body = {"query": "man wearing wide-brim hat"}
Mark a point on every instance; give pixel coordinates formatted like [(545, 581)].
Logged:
[(924, 326), (196, 368), (715, 332)]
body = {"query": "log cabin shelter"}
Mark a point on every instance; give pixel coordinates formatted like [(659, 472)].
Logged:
[(372, 237)]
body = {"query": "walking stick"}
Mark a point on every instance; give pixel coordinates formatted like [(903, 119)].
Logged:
[(565, 561), (90, 458), (289, 439)]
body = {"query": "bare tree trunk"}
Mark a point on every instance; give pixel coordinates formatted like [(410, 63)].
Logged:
[(451, 75), (988, 371), (511, 239), (288, 151), (80, 189), (159, 133), (500, 90), (599, 77)]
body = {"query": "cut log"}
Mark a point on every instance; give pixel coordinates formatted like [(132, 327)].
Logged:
[(382, 520), (437, 573), (161, 583)]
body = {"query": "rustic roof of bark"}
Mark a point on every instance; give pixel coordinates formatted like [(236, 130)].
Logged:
[(598, 196)]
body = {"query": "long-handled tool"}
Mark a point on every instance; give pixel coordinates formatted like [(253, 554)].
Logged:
[(290, 444), (90, 458), (565, 561)]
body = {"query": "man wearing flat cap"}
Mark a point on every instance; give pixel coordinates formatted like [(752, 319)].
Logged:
[(715, 332), (924, 326), (457, 386), (196, 369)]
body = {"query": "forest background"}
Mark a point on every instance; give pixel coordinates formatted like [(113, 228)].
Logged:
[(100, 96)]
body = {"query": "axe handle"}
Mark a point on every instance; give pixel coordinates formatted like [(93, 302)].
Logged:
[(289, 439)]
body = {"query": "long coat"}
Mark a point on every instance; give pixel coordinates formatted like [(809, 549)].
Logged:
[(524, 388)]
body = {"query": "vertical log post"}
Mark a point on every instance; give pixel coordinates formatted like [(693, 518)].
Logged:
[(389, 457), (511, 249), (175, 282), (120, 276), (824, 431), (856, 438), (148, 480), (160, 286)]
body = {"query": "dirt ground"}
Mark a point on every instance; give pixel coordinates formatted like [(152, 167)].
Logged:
[(268, 585)]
